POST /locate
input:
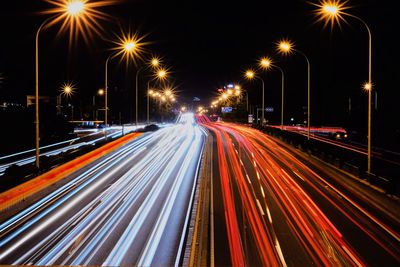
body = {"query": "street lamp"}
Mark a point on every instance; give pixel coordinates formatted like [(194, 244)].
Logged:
[(286, 47), (160, 74), (149, 93), (100, 92), (169, 93), (332, 12), (250, 74), (154, 63), (238, 92), (129, 47), (67, 89), (70, 11), (267, 63)]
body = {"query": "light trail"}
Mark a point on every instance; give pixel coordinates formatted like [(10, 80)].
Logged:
[(126, 201), (264, 172), (360, 149)]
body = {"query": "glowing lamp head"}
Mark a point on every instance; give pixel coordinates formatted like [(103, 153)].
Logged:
[(151, 92), (237, 87), (168, 92), (229, 91), (250, 74), (67, 89), (330, 9), (162, 74), (285, 47), (100, 92), (224, 96), (367, 86), (129, 46), (155, 62), (75, 7), (265, 62)]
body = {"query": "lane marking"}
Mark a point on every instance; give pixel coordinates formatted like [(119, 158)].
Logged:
[(260, 207)]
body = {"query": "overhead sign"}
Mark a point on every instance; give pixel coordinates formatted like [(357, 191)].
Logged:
[(226, 109), (269, 109)]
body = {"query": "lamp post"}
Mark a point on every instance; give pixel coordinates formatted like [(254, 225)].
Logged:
[(286, 47), (130, 47), (266, 63), (164, 97), (37, 91), (238, 93), (250, 74), (127, 47), (136, 95), (149, 93), (69, 11), (161, 74), (100, 92), (106, 91), (331, 12), (154, 62), (67, 89)]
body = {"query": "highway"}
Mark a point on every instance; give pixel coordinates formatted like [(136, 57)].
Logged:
[(277, 207), (129, 207)]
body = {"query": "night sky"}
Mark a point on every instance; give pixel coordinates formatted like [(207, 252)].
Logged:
[(208, 44)]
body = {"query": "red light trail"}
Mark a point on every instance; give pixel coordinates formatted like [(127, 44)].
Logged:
[(264, 176)]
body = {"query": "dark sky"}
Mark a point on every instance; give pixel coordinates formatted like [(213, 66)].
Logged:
[(209, 44)]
